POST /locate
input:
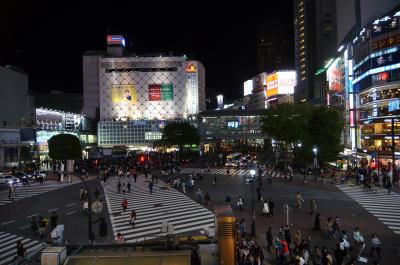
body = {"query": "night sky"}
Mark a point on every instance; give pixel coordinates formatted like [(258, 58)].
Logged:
[(48, 38)]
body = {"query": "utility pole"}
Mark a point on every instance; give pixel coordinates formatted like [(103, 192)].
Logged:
[(393, 151)]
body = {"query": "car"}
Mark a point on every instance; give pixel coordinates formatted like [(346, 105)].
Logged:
[(9, 180), (22, 175), (41, 173)]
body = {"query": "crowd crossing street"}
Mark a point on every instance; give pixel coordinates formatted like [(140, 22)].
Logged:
[(23, 192), (8, 243), (232, 172), (382, 205), (164, 204)]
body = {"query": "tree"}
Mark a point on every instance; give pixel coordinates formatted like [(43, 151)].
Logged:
[(287, 123), (325, 129), (180, 134), (64, 146)]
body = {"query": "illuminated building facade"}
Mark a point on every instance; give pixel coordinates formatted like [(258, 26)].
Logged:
[(315, 40), (132, 95), (377, 80)]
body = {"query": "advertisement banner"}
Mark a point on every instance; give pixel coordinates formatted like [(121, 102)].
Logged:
[(123, 93), (167, 92), (154, 92), (336, 75), (161, 92), (272, 85)]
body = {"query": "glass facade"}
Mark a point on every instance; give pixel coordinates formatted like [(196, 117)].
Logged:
[(129, 133)]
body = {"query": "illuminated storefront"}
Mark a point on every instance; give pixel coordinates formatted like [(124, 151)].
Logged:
[(377, 80), (52, 122)]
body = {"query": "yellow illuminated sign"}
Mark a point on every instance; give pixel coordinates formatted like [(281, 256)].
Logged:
[(123, 93), (272, 84)]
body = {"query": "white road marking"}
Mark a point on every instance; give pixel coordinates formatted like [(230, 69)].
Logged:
[(8, 222), (70, 213), (31, 215), (52, 210), (21, 228), (72, 204)]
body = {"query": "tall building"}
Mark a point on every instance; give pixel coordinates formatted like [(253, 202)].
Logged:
[(134, 96), (315, 41), (274, 50)]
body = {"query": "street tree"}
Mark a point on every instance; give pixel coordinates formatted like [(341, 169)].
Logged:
[(325, 128), (64, 147), (180, 134)]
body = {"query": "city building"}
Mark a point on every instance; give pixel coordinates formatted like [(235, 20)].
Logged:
[(274, 49), (280, 87), (15, 99), (315, 41), (134, 95), (231, 129), (49, 123), (377, 81)]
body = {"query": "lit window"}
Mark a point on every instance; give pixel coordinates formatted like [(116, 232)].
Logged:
[(302, 47), (303, 53), (302, 40), (303, 78), (302, 34), (303, 66), (302, 28), (303, 59)]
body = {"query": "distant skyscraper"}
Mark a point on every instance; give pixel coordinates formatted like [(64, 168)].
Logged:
[(315, 41), (273, 46)]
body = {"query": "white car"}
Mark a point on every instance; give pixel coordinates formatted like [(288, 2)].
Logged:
[(7, 179)]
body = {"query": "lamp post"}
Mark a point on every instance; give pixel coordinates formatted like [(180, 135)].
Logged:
[(315, 151), (252, 173)]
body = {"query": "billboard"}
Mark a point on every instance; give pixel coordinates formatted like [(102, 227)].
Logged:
[(57, 120), (123, 93), (161, 92), (281, 83), (115, 40), (259, 82), (272, 84), (247, 87), (335, 75)]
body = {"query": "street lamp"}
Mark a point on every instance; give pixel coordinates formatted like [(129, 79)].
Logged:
[(252, 173), (315, 151)]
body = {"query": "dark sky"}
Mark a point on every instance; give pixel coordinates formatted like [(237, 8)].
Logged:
[(48, 38)]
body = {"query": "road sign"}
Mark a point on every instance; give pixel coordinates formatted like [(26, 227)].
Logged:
[(97, 207)]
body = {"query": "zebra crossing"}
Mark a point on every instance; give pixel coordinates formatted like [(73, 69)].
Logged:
[(8, 246), (165, 204), (232, 171), (23, 192), (382, 205)]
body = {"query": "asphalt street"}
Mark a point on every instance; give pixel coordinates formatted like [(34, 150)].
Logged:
[(330, 202), (15, 217)]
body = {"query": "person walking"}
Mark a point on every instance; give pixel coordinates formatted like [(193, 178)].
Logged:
[(132, 218), (124, 204), (299, 201), (10, 193), (240, 203), (242, 228), (42, 226), (269, 238), (119, 239), (317, 222), (129, 187), (215, 180), (151, 187), (119, 186), (96, 193), (82, 194), (123, 188), (259, 197), (34, 226), (85, 207), (265, 211), (227, 171), (326, 257), (358, 240), (375, 246), (271, 205), (288, 236), (21, 251), (297, 241), (184, 187), (207, 198), (313, 206), (53, 220)]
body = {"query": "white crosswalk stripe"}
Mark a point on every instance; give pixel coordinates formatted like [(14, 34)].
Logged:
[(23, 192), (232, 172), (8, 246), (382, 205), (165, 203)]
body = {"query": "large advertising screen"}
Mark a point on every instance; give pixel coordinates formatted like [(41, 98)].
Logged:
[(161, 92), (272, 84), (123, 93), (281, 83), (58, 121), (247, 87), (335, 75)]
